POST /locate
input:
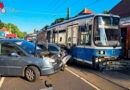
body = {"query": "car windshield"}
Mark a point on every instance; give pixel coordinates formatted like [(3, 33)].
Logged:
[(42, 47), (106, 31), (27, 46), (53, 48)]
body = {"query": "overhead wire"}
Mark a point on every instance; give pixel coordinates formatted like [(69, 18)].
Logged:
[(57, 5), (61, 5), (52, 4), (87, 5)]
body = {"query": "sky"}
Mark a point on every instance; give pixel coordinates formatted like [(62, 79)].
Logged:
[(35, 14)]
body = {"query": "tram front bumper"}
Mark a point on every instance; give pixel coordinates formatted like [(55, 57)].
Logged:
[(106, 58)]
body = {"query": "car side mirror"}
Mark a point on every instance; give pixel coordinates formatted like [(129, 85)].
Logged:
[(14, 54)]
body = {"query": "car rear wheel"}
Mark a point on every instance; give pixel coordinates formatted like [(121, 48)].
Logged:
[(32, 74)]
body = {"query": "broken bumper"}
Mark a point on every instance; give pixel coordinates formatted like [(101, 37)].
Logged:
[(49, 71)]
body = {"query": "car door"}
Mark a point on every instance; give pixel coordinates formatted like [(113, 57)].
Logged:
[(3, 64), (13, 58)]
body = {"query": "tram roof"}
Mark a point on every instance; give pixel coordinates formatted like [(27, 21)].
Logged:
[(81, 17)]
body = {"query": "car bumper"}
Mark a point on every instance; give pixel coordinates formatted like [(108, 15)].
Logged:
[(49, 71)]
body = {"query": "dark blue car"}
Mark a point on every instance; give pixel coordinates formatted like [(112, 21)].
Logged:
[(17, 59)]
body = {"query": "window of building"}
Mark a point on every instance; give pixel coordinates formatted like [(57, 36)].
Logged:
[(60, 39)]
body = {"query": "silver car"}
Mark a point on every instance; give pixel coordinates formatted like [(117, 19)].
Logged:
[(57, 50), (17, 58)]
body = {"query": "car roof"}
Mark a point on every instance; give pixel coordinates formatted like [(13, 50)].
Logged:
[(11, 40)]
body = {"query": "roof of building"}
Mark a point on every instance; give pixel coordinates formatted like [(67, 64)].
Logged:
[(4, 29), (122, 8), (85, 11)]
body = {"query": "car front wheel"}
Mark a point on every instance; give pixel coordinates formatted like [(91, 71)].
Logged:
[(32, 74)]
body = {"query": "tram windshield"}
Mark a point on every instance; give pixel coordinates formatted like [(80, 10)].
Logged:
[(106, 31)]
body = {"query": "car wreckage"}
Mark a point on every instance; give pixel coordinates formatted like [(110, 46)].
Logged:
[(51, 51)]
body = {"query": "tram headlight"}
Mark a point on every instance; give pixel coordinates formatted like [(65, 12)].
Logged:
[(101, 52)]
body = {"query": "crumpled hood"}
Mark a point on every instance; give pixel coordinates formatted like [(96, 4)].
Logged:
[(49, 55)]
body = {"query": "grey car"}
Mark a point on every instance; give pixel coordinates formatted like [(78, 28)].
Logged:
[(55, 49), (17, 59)]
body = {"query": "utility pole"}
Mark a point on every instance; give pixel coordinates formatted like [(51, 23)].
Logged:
[(10, 29), (68, 13)]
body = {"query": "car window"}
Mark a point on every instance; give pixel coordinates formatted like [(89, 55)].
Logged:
[(52, 48), (8, 48), (42, 47), (27, 46)]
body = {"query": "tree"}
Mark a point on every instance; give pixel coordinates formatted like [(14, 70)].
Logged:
[(58, 20), (24, 33), (105, 11), (14, 30), (34, 30), (45, 27), (1, 24)]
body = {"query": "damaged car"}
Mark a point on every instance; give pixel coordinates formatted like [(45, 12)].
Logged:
[(55, 51), (22, 58)]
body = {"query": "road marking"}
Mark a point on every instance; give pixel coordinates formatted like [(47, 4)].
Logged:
[(1, 81), (86, 81)]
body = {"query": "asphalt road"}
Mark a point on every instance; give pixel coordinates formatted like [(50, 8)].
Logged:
[(60, 81), (75, 77)]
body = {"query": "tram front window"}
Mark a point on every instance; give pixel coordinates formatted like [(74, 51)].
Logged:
[(106, 31)]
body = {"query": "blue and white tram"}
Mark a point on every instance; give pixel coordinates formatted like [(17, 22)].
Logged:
[(91, 38)]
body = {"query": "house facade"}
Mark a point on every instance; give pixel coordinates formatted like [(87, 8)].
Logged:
[(123, 10), (3, 32)]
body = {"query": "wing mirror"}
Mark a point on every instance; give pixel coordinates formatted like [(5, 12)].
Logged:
[(14, 54)]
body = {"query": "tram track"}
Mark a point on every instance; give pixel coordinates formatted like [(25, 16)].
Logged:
[(102, 75), (108, 80)]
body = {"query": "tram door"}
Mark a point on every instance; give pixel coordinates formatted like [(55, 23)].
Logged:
[(84, 43), (72, 39)]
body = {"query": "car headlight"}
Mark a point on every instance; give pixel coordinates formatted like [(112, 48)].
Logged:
[(101, 52), (49, 59)]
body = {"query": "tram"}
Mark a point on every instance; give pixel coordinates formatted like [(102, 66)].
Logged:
[(92, 38)]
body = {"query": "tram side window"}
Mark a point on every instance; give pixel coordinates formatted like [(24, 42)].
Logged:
[(86, 35)]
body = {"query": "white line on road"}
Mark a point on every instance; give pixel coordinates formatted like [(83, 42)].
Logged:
[(83, 79), (1, 81)]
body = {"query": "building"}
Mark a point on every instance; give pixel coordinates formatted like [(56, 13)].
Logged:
[(123, 10), (85, 12), (3, 32)]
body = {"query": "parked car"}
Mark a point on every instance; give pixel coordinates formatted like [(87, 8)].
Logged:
[(55, 49), (17, 58)]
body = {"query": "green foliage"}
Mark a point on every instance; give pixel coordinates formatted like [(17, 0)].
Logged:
[(1, 24), (58, 21), (35, 30), (105, 11), (15, 30), (45, 27)]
